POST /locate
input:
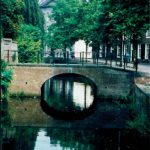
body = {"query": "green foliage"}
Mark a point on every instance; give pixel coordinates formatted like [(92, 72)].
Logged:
[(88, 25), (11, 17), (140, 123), (19, 95), (138, 116), (135, 17), (6, 77), (5, 119), (33, 15), (29, 43), (61, 33), (31, 33)]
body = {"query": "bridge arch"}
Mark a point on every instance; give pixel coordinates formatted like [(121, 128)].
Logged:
[(72, 71), (73, 75)]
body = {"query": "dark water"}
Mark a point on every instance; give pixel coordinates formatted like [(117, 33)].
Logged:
[(29, 138), (80, 121)]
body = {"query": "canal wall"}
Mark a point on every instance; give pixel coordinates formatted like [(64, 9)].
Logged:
[(110, 82), (142, 94)]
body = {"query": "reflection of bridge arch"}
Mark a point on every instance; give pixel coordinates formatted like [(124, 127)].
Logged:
[(29, 79)]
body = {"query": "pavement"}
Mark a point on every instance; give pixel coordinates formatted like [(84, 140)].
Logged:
[(142, 67)]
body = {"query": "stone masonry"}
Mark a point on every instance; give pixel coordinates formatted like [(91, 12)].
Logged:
[(109, 82)]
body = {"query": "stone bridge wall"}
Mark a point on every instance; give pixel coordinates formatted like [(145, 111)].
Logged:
[(110, 82)]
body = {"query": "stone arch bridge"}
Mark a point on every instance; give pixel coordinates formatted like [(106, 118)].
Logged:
[(110, 82)]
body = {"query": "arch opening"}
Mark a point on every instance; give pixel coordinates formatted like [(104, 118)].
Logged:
[(68, 96)]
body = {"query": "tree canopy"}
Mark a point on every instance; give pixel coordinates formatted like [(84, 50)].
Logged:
[(30, 35), (11, 17), (98, 21), (29, 43), (32, 14), (65, 16)]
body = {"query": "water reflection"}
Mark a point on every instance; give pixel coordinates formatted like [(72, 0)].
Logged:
[(44, 142), (68, 93), (29, 138)]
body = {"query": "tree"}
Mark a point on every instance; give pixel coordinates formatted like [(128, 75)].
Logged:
[(29, 43), (11, 17), (134, 22), (31, 32), (33, 15), (6, 77), (61, 33)]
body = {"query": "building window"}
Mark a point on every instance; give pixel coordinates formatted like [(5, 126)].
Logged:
[(125, 48), (139, 51), (147, 53), (148, 33)]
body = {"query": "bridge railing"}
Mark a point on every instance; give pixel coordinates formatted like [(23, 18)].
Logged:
[(81, 58)]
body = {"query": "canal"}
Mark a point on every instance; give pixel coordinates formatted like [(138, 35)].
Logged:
[(70, 116)]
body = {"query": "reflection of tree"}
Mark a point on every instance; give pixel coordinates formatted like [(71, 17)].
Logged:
[(72, 139), (5, 119), (86, 139), (98, 139), (23, 138)]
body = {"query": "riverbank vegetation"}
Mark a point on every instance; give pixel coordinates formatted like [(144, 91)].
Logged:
[(136, 106), (138, 113), (6, 77)]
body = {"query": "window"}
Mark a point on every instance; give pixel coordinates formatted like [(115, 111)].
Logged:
[(139, 51), (148, 33), (147, 51), (7, 42)]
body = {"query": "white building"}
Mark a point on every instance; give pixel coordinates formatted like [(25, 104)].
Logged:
[(80, 47), (9, 50)]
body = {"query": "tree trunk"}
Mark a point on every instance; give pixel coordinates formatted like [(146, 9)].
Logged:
[(121, 51), (135, 47), (86, 51), (107, 52)]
